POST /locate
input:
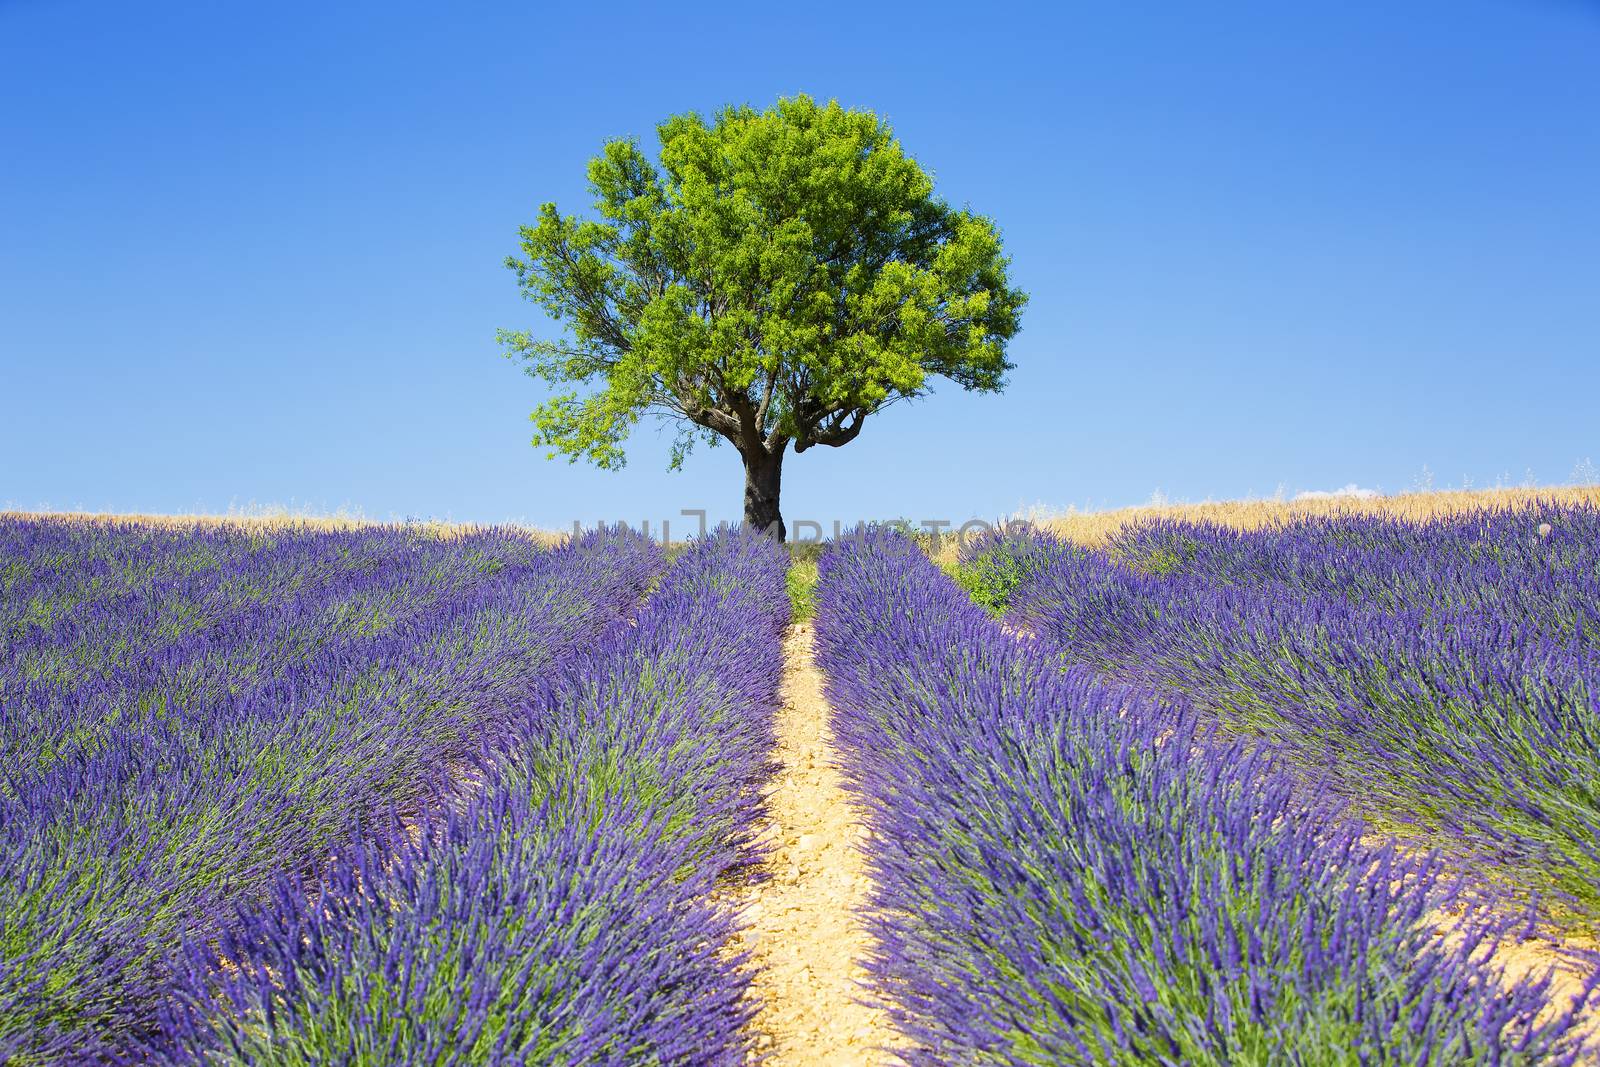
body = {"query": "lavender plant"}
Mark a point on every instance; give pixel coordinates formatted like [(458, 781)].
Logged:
[(1443, 674), (1073, 871), (565, 914), (157, 777)]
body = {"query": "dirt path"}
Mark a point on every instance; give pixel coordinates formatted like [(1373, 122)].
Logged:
[(801, 929), (1564, 959)]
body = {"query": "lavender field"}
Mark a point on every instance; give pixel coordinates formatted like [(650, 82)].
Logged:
[(1228, 788), (374, 797), (404, 795), (1442, 675)]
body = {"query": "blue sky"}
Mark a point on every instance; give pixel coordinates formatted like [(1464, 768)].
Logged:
[(252, 253)]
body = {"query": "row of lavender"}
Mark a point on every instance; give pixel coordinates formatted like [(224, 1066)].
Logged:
[(1446, 675), (1072, 871), (565, 913), (188, 714)]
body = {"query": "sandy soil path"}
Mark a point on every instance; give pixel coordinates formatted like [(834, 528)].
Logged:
[(800, 923)]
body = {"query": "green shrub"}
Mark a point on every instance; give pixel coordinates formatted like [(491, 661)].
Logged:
[(801, 583)]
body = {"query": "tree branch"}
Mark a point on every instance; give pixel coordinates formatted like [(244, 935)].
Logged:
[(766, 397), (836, 432)]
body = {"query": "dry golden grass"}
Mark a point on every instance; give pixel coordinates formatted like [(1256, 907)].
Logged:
[(1084, 527), (1093, 528), (253, 522), (265, 519)]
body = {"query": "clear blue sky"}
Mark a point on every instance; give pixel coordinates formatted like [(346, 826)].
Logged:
[(253, 252)]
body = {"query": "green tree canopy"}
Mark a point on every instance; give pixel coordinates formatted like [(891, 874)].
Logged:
[(774, 278)]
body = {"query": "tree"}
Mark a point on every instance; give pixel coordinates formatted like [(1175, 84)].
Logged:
[(777, 278)]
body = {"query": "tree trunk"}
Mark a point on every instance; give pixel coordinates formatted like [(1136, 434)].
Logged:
[(763, 474)]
